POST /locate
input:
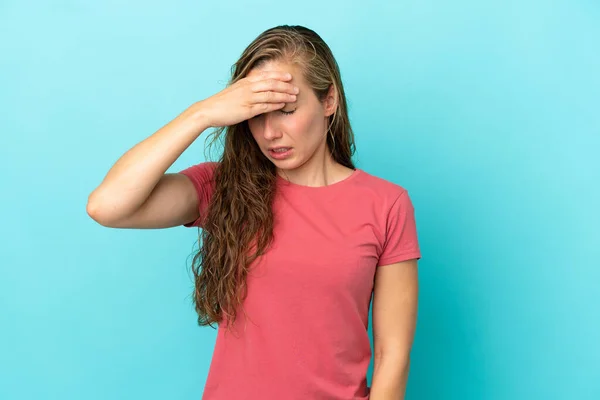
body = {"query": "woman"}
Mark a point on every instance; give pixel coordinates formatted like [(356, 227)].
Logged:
[(295, 239)]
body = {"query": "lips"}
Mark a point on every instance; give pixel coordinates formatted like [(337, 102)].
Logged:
[(280, 152)]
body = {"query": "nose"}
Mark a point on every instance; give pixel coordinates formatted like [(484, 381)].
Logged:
[(270, 128)]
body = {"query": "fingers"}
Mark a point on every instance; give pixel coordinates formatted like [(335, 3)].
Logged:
[(270, 91), (273, 97), (273, 84), (260, 108)]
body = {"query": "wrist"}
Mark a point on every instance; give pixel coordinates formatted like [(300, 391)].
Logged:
[(198, 113)]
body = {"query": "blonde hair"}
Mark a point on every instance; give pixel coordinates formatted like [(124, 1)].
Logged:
[(238, 226)]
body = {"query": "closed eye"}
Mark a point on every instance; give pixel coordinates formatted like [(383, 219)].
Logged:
[(287, 112)]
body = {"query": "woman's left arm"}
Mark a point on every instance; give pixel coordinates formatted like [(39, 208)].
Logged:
[(394, 321)]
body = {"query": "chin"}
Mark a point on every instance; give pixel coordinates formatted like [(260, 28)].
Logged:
[(287, 164)]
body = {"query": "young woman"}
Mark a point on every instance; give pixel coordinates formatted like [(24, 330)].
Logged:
[(295, 240)]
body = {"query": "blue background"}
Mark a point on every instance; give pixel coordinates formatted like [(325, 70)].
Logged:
[(486, 111)]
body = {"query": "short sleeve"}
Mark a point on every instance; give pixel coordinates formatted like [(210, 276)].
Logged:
[(401, 242), (201, 176)]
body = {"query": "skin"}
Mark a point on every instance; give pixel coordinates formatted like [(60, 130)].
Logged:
[(305, 130), (395, 297), (310, 164)]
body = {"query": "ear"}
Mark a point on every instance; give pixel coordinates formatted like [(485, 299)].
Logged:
[(330, 101)]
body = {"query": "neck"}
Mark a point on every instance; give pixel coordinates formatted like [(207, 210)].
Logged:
[(320, 170)]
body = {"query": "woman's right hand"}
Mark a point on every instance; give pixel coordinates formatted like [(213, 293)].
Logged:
[(248, 97)]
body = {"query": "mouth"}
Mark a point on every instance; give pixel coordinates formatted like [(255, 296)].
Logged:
[(279, 148), (280, 152)]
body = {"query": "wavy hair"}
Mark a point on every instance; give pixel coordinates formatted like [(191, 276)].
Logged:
[(238, 227)]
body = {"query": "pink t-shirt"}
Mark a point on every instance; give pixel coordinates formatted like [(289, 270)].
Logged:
[(305, 335)]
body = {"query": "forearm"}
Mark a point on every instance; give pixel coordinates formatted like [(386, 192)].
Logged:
[(135, 174), (390, 376)]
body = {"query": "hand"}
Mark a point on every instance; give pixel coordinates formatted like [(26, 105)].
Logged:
[(248, 97)]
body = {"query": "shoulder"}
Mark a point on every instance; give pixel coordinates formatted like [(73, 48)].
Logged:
[(202, 171), (383, 190)]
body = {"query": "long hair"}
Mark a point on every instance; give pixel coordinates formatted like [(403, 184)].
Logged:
[(238, 227)]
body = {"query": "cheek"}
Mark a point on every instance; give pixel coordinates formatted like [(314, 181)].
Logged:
[(254, 128), (310, 130), (302, 126)]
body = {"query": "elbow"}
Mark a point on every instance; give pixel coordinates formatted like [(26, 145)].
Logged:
[(96, 211), (93, 210), (399, 357)]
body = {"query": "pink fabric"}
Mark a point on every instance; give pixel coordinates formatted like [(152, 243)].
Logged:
[(305, 335)]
